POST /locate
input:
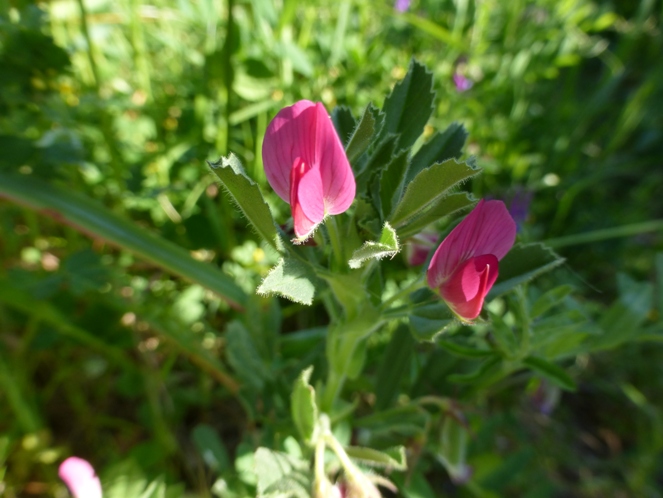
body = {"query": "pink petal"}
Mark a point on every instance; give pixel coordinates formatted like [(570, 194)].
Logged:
[(304, 130), (291, 134), (337, 178), (466, 289), (488, 229), (80, 478), (305, 199)]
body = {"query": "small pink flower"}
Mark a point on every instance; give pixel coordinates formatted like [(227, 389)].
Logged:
[(306, 165), (80, 478), (465, 266), (419, 247), (462, 83)]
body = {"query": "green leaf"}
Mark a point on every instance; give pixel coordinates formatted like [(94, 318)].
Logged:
[(453, 447), (446, 206), (387, 246), (281, 475), (292, 279), (486, 369), (465, 351), (303, 407), (380, 156), (439, 148), (409, 105), (504, 337), (429, 321), (246, 194), (428, 188), (211, 448), (659, 281), (522, 264), (391, 182), (409, 420), (95, 220), (243, 356), (362, 136), (549, 300), (394, 366), (555, 374), (393, 458), (344, 123)]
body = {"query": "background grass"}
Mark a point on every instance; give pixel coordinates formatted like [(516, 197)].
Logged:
[(105, 355)]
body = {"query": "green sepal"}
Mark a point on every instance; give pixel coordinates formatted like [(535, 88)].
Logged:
[(303, 407), (292, 279), (387, 246), (246, 194)]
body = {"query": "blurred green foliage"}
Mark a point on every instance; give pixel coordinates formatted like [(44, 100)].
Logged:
[(164, 386)]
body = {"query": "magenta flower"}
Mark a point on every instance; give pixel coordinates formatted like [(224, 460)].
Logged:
[(306, 165), (80, 478), (465, 266)]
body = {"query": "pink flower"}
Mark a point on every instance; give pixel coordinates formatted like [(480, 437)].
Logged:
[(419, 247), (80, 478), (465, 266), (306, 165)]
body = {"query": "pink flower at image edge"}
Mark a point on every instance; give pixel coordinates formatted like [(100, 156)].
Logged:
[(80, 478), (465, 265), (306, 165)]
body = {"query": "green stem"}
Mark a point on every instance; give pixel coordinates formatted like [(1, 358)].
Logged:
[(606, 234), (420, 283), (335, 240)]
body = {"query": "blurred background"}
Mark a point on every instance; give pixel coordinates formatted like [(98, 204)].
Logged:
[(112, 107)]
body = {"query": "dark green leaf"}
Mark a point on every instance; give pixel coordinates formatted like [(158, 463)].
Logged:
[(244, 357), (362, 136), (391, 182), (394, 365), (246, 194), (486, 369), (427, 322), (465, 351), (409, 105), (344, 122), (211, 448), (550, 371), (446, 206), (522, 264), (549, 300), (292, 279), (439, 148)]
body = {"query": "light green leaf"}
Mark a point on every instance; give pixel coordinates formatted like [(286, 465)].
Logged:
[(409, 105), (387, 246), (439, 148), (428, 188), (292, 279), (446, 206), (393, 458), (303, 406), (247, 196), (523, 263), (362, 136), (555, 374), (280, 475)]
